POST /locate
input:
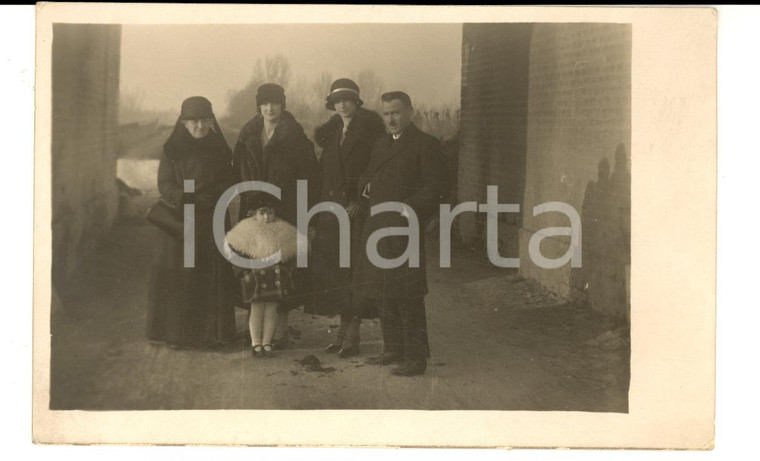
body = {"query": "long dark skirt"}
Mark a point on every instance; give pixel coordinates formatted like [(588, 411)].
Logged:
[(303, 283), (192, 306), (330, 283)]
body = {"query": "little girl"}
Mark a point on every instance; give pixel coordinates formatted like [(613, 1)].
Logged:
[(260, 236)]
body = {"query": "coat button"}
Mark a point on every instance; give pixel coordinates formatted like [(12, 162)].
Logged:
[(330, 193), (277, 271), (263, 285), (263, 272), (277, 283)]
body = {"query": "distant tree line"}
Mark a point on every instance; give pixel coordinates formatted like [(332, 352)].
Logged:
[(131, 110), (306, 97)]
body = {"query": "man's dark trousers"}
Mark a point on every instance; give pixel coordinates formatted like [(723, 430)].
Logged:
[(404, 328)]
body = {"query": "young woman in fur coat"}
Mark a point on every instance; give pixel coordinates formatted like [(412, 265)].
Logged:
[(272, 147), (347, 140), (261, 236)]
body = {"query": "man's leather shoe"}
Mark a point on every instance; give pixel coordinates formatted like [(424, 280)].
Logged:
[(386, 358), (410, 368), (347, 352)]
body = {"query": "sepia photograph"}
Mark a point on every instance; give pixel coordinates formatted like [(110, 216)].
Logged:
[(359, 216)]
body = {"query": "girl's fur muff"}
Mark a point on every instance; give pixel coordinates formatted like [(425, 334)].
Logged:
[(259, 240)]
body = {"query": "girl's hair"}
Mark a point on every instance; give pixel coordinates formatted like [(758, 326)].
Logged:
[(262, 200)]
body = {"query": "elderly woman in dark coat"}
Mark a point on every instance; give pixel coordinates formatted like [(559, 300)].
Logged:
[(347, 140), (273, 148), (193, 307)]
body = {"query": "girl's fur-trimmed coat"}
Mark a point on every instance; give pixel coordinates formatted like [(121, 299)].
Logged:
[(259, 240)]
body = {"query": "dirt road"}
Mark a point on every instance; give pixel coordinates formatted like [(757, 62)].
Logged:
[(498, 342)]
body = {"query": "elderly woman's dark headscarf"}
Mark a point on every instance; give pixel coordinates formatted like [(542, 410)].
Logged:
[(181, 143)]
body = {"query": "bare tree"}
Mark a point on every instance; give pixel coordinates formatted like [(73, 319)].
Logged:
[(371, 88), (276, 69), (321, 84), (242, 103), (131, 106), (301, 102), (131, 100), (306, 97)]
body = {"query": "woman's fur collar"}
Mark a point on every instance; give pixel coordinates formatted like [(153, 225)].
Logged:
[(259, 240), (287, 128), (327, 132)]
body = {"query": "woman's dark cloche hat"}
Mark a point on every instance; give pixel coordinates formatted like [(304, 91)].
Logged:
[(270, 92), (196, 108), (343, 88)]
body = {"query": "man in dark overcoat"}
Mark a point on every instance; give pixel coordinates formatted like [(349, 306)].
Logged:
[(407, 167)]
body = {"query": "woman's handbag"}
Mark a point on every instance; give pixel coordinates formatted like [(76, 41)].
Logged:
[(167, 218)]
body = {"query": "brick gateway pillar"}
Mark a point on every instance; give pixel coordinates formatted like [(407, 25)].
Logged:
[(546, 117), (494, 118), (85, 79)]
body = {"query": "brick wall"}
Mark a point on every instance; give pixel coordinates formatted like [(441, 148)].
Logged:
[(546, 116), (85, 140), (579, 137), (493, 125)]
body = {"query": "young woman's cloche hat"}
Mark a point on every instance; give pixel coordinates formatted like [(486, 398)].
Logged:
[(270, 92), (343, 88)]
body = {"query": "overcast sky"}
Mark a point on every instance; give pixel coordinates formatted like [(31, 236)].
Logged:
[(168, 63)]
